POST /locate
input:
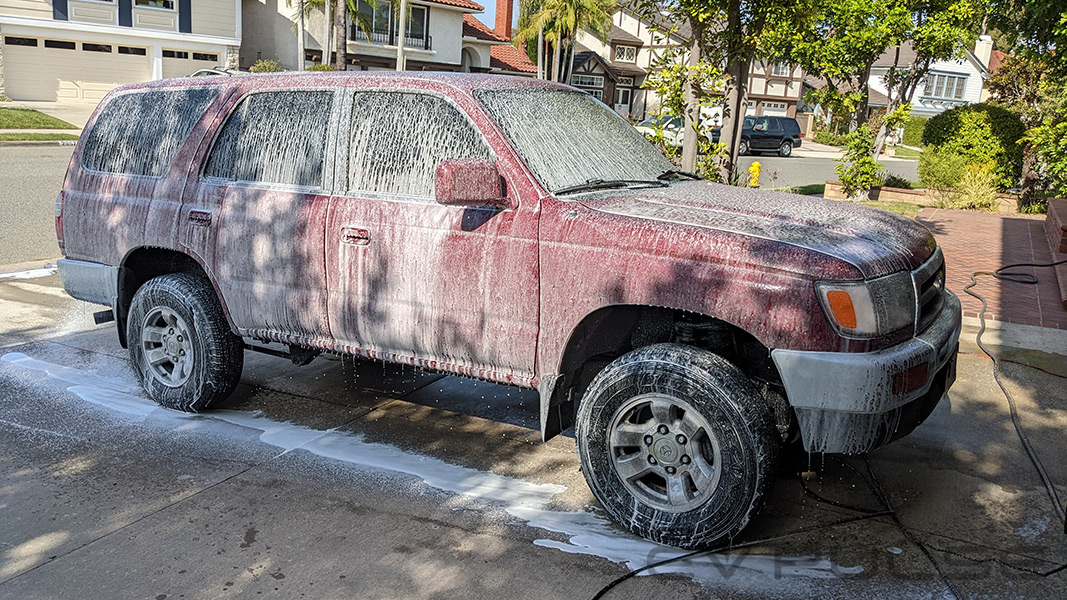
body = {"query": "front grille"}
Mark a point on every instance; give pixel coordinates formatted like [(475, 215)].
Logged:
[(929, 282)]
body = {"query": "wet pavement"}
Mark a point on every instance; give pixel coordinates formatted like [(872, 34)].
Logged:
[(361, 480)]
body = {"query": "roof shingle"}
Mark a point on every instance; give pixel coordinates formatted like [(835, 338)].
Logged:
[(472, 27), (460, 3), (510, 58)]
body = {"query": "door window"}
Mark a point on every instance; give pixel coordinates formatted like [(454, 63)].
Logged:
[(760, 124), (275, 138), (398, 139)]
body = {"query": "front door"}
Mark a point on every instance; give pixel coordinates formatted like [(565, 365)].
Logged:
[(265, 173), (622, 101), (414, 281)]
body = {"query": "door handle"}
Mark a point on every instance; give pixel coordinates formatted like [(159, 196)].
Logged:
[(355, 236)]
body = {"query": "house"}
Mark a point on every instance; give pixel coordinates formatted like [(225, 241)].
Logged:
[(440, 35), (614, 67), (79, 50), (949, 83)]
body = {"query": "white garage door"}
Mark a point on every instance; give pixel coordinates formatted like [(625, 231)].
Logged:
[(775, 109), (65, 70), (180, 63)]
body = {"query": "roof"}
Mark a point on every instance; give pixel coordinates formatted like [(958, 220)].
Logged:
[(460, 3), (996, 60), (662, 19), (509, 58), (625, 38), (614, 69), (907, 57), (473, 27)]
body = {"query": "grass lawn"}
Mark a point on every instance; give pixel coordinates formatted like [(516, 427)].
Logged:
[(35, 137), (903, 152), (22, 118), (807, 190), (907, 209)]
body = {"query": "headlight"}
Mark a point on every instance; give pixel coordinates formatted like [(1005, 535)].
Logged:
[(867, 309)]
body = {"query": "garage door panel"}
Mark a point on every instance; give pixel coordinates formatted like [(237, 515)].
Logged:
[(49, 74)]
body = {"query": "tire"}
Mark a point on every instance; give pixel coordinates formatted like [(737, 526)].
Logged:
[(786, 150), (742, 148), (703, 402), (177, 319)]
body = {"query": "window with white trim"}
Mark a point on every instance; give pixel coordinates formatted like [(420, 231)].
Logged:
[(164, 4), (781, 70), (587, 80), (626, 53), (626, 81), (598, 94), (950, 87)]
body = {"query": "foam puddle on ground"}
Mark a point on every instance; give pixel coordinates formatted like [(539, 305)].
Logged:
[(587, 533)]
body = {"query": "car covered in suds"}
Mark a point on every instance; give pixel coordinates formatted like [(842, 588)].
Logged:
[(515, 231)]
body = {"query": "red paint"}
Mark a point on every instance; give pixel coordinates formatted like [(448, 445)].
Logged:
[(493, 293)]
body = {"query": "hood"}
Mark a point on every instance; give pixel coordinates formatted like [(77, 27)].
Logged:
[(875, 242)]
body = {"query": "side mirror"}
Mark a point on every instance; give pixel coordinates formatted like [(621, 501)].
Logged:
[(472, 182)]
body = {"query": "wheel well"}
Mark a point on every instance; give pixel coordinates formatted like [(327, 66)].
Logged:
[(142, 265), (613, 331)]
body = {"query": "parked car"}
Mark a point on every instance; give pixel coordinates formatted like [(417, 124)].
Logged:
[(767, 134), (516, 231), (673, 128)]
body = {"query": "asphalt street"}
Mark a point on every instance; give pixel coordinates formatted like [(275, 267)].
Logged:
[(780, 173), (30, 179)]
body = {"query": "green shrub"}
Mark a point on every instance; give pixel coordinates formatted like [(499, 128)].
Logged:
[(913, 131), (823, 136), (977, 188), (981, 133), (265, 65), (940, 172), (320, 68), (1049, 141), (857, 170), (896, 181)]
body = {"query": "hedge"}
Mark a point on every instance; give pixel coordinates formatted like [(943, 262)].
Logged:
[(981, 133), (913, 131)]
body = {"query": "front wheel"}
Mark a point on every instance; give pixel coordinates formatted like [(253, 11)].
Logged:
[(677, 444), (786, 150), (180, 343)]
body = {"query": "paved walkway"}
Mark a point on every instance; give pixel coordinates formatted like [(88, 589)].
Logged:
[(974, 241)]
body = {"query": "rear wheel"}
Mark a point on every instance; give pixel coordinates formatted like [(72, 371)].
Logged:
[(677, 444), (786, 149), (180, 343), (743, 148)]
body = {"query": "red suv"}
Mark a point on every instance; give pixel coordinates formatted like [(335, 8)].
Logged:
[(517, 231)]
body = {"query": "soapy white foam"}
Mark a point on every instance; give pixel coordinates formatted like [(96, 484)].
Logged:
[(29, 274), (586, 533)]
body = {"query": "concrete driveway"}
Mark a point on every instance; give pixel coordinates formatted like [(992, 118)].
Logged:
[(360, 480)]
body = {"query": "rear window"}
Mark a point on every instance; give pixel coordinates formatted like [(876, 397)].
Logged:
[(139, 133)]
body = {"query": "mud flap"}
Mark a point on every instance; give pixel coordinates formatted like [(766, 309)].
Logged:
[(557, 413)]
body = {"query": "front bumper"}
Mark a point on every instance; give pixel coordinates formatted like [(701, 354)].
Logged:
[(851, 403)]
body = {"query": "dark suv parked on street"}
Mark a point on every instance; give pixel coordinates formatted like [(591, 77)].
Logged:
[(767, 134)]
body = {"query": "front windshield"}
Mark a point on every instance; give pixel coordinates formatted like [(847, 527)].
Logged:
[(568, 138)]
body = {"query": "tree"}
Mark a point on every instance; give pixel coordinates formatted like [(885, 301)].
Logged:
[(839, 44), (938, 30), (563, 19)]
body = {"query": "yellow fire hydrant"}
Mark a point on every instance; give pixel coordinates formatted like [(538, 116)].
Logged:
[(753, 175)]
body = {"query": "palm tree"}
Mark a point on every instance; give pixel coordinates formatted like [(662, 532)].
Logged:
[(342, 9), (559, 21)]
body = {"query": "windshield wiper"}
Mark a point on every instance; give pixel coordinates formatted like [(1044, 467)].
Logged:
[(673, 172), (607, 184)]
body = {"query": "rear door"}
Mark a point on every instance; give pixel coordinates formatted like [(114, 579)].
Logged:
[(262, 209), (414, 281)]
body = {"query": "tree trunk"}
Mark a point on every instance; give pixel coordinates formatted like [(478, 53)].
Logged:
[(555, 58), (733, 117), (541, 53), (1030, 178), (690, 139), (340, 41), (859, 116), (300, 36), (326, 34), (570, 63)]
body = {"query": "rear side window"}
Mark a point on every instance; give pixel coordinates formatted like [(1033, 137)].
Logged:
[(139, 133), (274, 138), (398, 140)]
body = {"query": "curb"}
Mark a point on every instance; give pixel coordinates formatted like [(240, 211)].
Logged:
[(1021, 337), (37, 143)]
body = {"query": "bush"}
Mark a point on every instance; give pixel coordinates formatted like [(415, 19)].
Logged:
[(981, 133), (977, 188), (896, 181), (940, 172), (264, 65), (825, 137), (320, 68), (857, 170), (913, 131)]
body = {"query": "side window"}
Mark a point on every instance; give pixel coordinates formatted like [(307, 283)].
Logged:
[(398, 139), (274, 137), (139, 133), (761, 124), (774, 125)]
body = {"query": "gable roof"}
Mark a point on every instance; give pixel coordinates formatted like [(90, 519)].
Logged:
[(662, 19), (620, 36), (907, 56), (469, 4), (996, 60), (509, 58), (613, 69), (474, 28)]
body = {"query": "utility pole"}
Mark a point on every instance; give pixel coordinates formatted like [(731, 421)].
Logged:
[(326, 34), (402, 23), (300, 37)]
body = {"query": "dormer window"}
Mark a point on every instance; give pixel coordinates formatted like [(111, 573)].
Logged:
[(626, 54), (781, 70)]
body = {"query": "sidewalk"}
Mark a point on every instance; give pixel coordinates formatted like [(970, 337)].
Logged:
[(75, 113), (974, 241)]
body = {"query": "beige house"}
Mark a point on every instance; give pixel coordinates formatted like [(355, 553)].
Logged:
[(78, 50), (440, 35)]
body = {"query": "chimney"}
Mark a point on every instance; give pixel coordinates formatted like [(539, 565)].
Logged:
[(503, 17), (983, 48)]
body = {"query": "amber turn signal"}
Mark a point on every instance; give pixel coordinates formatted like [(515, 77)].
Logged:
[(840, 304)]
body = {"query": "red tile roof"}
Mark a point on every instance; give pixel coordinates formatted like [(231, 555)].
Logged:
[(460, 3), (996, 59), (510, 58), (474, 28)]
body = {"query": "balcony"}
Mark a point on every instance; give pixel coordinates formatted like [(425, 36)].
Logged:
[(388, 38)]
